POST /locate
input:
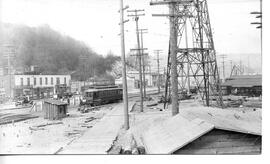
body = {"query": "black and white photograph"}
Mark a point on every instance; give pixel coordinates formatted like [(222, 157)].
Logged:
[(131, 77)]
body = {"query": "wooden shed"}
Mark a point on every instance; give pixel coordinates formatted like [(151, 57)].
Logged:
[(54, 109)]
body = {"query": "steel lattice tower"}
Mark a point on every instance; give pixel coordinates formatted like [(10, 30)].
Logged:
[(196, 56)]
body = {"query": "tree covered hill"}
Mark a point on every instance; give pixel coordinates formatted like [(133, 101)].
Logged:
[(55, 53)]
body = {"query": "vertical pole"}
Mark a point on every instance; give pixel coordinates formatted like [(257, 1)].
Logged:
[(158, 83), (223, 65), (231, 65), (188, 79), (124, 78), (248, 66), (143, 63), (241, 70), (9, 74), (174, 78), (140, 62)]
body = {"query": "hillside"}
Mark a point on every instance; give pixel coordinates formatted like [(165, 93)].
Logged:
[(55, 53)]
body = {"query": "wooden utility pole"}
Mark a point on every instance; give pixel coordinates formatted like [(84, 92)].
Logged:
[(174, 77), (136, 15), (231, 65), (143, 31), (223, 65), (158, 61), (173, 49), (123, 59), (188, 65)]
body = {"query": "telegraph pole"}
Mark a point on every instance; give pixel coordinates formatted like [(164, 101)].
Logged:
[(223, 64), (143, 31), (173, 49), (136, 15), (158, 61), (123, 59), (188, 65), (231, 65)]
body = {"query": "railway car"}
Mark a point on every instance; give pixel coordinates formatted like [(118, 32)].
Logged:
[(101, 96)]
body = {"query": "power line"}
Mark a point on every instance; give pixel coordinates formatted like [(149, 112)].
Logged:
[(136, 14), (158, 62), (173, 49), (123, 59), (143, 31), (223, 64)]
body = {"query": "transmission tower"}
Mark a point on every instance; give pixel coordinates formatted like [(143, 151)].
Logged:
[(196, 56)]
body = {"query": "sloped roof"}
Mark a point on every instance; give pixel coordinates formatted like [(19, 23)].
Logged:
[(249, 122), (191, 123), (55, 102), (244, 81), (172, 134)]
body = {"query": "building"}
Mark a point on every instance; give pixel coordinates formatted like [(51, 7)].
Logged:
[(130, 83), (206, 130), (54, 109), (244, 85), (36, 86), (151, 78)]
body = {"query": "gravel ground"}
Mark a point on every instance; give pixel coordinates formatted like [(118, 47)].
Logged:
[(24, 138)]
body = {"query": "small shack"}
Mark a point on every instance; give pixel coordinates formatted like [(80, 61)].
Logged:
[(54, 109)]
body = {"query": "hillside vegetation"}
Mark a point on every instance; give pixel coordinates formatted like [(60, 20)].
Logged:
[(55, 53)]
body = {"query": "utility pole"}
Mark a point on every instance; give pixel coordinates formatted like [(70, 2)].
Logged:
[(188, 65), (143, 31), (158, 61), (241, 69), (223, 64), (173, 49), (136, 15), (248, 66), (123, 59), (231, 65)]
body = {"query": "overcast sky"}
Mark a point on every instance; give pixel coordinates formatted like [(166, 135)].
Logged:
[(96, 23)]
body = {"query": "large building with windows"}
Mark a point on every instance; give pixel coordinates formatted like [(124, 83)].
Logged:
[(36, 86)]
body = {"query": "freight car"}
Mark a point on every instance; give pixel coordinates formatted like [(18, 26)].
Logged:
[(101, 96)]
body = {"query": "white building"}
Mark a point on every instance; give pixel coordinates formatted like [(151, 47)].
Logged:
[(35, 85), (41, 80), (151, 78), (130, 82)]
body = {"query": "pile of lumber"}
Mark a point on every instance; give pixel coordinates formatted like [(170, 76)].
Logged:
[(11, 118)]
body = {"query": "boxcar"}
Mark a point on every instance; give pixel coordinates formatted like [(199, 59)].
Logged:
[(103, 96)]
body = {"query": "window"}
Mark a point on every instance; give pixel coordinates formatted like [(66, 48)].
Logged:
[(28, 81), (57, 80), (40, 80), (46, 81), (51, 80), (21, 81), (35, 81)]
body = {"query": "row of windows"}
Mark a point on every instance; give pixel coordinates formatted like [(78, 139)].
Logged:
[(104, 93), (41, 81), (109, 93)]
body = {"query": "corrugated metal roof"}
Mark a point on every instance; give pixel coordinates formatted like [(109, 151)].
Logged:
[(244, 81)]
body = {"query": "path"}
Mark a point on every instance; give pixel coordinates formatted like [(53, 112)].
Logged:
[(99, 139)]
